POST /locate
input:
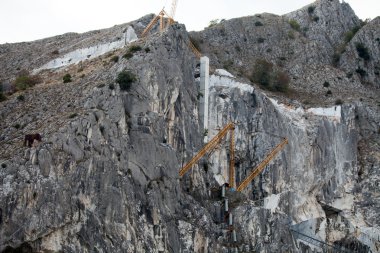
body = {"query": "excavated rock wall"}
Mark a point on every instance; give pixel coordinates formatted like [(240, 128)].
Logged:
[(317, 171)]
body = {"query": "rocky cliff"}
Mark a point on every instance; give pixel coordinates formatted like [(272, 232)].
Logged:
[(105, 176)]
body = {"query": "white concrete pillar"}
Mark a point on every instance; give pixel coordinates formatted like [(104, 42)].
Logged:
[(203, 100)]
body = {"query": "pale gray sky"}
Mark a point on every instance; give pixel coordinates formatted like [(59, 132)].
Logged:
[(26, 20)]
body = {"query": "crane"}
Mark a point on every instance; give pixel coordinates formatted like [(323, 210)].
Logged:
[(172, 12), (160, 17), (230, 127), (259, 168), (195, 50)]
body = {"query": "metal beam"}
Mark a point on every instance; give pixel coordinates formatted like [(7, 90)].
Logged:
[(210, 145), (262, 165)]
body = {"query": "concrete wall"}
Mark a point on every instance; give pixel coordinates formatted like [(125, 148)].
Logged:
[(204, 90)]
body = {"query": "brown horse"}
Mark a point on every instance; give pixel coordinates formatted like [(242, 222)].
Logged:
[(30, 138)]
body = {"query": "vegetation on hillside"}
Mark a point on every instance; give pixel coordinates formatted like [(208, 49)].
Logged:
[(125, 79), (24, 80), (270, 77)]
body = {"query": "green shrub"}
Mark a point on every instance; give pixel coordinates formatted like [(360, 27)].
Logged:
[(73, 115), (128, 55), (361, 72), (228, 64), (336, 59), (262, 72), (377, 69), (21, 98), (2, 97), (21, 83), (17, 126), (147, 50), (294, 24), (338, 53), (280, 81), (260, 40), (115, 58), (316, 19), (305, 30), (258, 23), (291, 35), (24, 81), (268, 77), (350, 34), (328, 93), (111, 86), (362, 51), (338, 101), (213, 22), (125, 79), (66, 78), (311, 9), (326, 84), (134, 48), (3, 165)]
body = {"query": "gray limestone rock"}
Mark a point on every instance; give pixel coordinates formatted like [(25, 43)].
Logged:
[(105, 176)]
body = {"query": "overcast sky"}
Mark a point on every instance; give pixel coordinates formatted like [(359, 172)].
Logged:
[(26, 20)]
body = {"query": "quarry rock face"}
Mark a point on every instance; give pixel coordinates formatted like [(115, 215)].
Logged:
[(105, 176), (316, 177)]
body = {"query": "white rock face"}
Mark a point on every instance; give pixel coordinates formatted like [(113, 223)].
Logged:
[(83, 54), (223, 78), (299, 114), (332, 112), (272, 202), (222, 72)]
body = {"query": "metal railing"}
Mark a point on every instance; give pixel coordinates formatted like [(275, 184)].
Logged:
[(320, 244)]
